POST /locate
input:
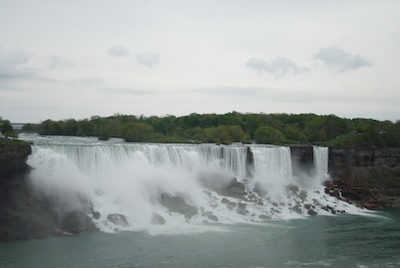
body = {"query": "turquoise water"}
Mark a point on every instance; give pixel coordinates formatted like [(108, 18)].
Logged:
[(320, 241)]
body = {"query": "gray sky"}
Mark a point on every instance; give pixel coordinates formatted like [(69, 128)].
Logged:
[(75, 59)]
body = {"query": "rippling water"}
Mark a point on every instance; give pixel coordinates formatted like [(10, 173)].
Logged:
[(320, 241)]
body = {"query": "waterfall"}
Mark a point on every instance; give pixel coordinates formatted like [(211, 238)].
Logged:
[(138, 186), (321, 163), (273, 169)]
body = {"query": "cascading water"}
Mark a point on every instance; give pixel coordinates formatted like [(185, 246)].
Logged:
[(137, 186), (321, 163), (273, 169)]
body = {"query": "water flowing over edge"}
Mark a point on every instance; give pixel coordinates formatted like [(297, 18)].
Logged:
[(169, 188)]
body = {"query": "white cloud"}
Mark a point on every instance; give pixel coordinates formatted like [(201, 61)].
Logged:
[(148, 59), (337, 59), (118, 51), (278, 66)]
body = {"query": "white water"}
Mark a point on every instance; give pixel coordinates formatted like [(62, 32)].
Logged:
[(321, 163), (130, 178)]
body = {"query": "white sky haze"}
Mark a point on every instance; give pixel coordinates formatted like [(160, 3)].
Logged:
[(75, 59)]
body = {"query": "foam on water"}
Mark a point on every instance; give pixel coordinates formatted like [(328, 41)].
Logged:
[(140, 180)]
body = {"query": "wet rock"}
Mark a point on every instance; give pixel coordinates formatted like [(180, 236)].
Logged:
[(157, 219), (28, 212), (293, 188), (178, 204), (221, 184), (264, 217), (238, 188), (249, 162), (230, 204), (253, 197), (96, 215), (308, 206), (302, 159), (329, 209), (274, 210), (241, 209), (211, 216), (311, 212), (76, 222), (296, 208), (303, 194), (118, 219)]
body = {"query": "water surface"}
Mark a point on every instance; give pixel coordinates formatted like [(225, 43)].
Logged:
[(320, 241)]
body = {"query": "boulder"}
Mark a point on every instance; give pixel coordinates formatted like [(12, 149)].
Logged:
[(96, 215), (238, 189), (231, 205), (75, 222), (223, 185), (311, 212), (211, 216), (157, 219), (118, 219), (296, 208), (178, 204), (241, 209), (303, 195), (264, 217)]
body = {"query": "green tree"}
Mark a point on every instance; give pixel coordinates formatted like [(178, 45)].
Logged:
[(267, 134), (6, 128), (104, 133), (137, 132)]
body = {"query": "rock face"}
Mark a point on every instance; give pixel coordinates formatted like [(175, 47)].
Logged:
[(302, 158), (13, 155), (368, 177), (224, 186), (178, 204), (25, 214)]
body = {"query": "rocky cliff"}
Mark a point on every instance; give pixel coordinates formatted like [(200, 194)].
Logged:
[(24, 213), (370, 177)]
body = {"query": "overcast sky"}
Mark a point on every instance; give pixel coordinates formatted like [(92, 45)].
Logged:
[(75, 59)]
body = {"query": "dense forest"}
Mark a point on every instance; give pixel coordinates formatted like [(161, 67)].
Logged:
[(328, 130)]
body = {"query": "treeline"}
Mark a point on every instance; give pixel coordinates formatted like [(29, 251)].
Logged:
[(6, 129), (232, 127)]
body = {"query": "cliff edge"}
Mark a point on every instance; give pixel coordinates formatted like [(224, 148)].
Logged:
[(369, 177), (25, 213)]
